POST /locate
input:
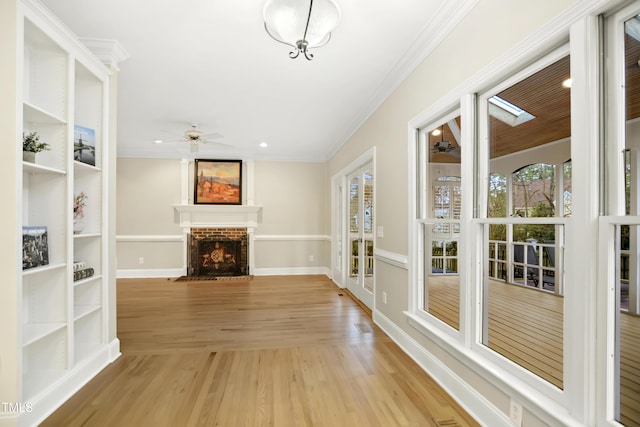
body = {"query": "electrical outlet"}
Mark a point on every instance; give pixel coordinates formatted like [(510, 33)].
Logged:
[(515, 413), (384, 297), (141, 260)]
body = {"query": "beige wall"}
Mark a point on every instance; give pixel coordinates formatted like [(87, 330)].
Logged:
[(293, 196), (294, 232), (147, 189), (9, 218), (292, 238)]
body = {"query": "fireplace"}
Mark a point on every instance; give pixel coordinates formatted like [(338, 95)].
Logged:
[(216, 252)]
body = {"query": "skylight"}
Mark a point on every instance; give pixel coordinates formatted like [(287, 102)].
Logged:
[(508, 113), (632, 27)]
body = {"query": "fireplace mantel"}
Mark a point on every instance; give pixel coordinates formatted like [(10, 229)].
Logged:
[(211, 216)]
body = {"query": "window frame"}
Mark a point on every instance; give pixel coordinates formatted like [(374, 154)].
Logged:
[(612, 215), (420, 182)]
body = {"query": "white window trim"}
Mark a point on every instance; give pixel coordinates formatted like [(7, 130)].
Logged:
[(419, 217), (605, 389)]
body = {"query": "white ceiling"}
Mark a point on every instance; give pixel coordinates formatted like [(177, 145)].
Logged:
[(211, 63)]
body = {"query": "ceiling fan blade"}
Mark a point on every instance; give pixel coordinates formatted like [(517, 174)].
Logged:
[(212, 135), (217, 142)]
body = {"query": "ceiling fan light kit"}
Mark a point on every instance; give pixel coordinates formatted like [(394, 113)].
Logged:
[(194, 137), (443, 146), (193, 134), (301, 25)]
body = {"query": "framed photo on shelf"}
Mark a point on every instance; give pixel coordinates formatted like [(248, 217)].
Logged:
[(84, 145), (217, 182), (35, 247)]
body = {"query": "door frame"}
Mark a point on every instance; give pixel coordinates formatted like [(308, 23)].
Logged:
[(339, 222)]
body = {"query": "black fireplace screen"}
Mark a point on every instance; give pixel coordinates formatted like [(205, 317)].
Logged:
[(216, 258)]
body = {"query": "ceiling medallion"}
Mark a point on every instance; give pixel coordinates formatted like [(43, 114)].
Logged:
[(301, 25)]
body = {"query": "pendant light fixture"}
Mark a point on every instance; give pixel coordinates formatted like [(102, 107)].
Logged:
[(303, 25)]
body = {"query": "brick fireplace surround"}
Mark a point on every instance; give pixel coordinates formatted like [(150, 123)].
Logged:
[(217, 251), (222, 222)]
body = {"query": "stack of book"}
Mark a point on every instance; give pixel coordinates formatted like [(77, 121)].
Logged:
[(81, 271)]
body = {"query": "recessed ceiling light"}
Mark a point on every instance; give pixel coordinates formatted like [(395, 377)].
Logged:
[(436, 132), (264, 144), (567, 83), (158, 141)]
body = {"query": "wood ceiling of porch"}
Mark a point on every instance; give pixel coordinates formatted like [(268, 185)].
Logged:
[(543, 95)]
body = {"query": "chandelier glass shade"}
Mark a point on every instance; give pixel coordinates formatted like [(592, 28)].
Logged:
[(303, 25)]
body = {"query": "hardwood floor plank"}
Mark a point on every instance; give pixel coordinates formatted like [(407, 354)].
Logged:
[(273, 351)]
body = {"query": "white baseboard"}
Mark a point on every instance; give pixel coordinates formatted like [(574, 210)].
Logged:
[(177, 272), (114, 350), (150, 273), (290, 271), (45, 403), (469, 398)]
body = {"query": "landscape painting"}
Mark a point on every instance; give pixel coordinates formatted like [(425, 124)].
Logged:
[(218, 182), (84, 145)]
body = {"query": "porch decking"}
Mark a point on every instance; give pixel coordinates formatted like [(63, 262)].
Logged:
[(526, 326), (630, 369)]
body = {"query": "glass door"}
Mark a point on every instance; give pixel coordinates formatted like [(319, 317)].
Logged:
[(360, 279)]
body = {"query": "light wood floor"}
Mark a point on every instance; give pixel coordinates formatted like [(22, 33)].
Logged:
[(273, 351)]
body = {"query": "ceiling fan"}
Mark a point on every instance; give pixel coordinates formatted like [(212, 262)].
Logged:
[(194, 137), (446, 147)]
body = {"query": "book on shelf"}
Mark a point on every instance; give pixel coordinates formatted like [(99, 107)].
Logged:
[(35, 247), (79, 265), (83, 274)]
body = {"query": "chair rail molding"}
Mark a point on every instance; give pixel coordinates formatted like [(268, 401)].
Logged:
[(391, 258)]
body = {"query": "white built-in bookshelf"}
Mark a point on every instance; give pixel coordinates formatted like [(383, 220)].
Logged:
[(62, 322)]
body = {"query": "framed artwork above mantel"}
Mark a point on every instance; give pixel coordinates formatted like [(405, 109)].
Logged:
[(217, 182)]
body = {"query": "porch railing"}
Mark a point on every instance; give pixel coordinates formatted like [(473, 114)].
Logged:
[(529, 263)]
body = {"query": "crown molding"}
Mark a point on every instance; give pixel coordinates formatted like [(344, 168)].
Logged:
[(431, 35), (110, 52)]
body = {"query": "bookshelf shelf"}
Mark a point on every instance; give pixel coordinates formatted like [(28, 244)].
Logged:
[(36, 331)]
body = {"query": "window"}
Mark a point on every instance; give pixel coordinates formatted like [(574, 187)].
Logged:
[(621, 247), (440, 220), (523, 310)]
